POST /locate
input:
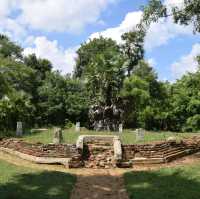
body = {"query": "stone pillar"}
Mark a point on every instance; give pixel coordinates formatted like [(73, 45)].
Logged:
[(57, 136), (139, 134), (120, 128), (117, 148), (77, 127), (19, 130)]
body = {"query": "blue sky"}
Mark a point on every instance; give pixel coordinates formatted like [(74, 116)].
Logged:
[(55, 29)]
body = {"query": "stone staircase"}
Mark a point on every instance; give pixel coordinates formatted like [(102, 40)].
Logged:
[(98, 154), (100, 151), (163, 155)]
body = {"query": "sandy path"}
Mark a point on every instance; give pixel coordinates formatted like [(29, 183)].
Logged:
[(100, 184)]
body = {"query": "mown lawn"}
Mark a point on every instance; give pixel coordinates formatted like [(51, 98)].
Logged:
[(127, 137), (168, 183), (22, 183)]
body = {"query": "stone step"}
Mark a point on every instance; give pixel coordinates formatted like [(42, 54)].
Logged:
[(173, 152), (125, 164), (175, 156), (197, 154), (93, 147), (147, 161), (168, 154), (173, 149)]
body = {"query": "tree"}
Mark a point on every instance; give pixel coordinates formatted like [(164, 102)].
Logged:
[(16, 106), (41, 66), (133, 48), (62, 98), (187, 14), (147, 99), (100, 64), (9, 48)]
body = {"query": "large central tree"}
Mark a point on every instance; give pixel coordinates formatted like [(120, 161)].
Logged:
[(100, 65)]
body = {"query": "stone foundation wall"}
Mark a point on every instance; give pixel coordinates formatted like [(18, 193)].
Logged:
[(58, 151), (165, 151), (100, 153)]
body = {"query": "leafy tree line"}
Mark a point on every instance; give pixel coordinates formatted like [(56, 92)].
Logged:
[(34, 94), (105, 73)]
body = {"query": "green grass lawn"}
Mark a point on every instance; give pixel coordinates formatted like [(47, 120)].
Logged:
[(169, 183), (22, 183), (127, 137)]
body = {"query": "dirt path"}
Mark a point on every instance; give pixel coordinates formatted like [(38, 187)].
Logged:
[(100, 184)]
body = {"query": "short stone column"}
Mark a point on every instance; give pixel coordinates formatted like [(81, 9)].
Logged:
[(19, 130), (57, 136), (117, 149), (139, 133), (77, 129), (120, 128)]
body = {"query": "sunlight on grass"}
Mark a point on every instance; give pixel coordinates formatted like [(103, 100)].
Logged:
[(127, 137), (181, 182), (19, 182)]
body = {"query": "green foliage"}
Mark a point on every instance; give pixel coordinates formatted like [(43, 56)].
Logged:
[(152, 12), (100, 64), (133, 48), (105, 72), (15, 107), (188, 13), (61, 98), (30, 92), (9, 48), (192, 123), (41, 66)]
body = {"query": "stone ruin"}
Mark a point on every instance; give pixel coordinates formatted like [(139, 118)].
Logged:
[(105, 118), (19, 129), (57, 136), (95, 151)]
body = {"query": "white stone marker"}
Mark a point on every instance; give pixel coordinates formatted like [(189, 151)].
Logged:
[(139, 134), (19, 130), (120, 128), (57, 137), (77, 127)]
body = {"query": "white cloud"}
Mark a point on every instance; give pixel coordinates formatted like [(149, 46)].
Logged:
[(8, 25), (186, 63), (152, 62), (6, 7), (60, 15), (12, 28), (17, 17), (73, 16), (63, 60), (165, 29), (160, 33), (130, 21)]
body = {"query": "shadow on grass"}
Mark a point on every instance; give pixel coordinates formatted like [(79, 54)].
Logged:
[(163, 184), (44, 185)]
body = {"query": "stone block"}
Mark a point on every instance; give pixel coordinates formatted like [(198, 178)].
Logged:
[(57, 136)]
